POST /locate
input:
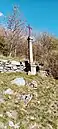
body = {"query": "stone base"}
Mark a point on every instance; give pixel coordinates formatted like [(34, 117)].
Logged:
[(33, 70)]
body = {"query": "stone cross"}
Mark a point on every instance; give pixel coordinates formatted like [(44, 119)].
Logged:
[(29, 28), (30, 52)]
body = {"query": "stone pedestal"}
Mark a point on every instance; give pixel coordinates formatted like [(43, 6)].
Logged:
[(33, 70)]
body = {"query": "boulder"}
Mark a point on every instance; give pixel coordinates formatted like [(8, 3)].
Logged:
[(18, 81)]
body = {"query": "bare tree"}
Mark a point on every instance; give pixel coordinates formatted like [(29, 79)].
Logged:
[(16, 29), (42, 46)]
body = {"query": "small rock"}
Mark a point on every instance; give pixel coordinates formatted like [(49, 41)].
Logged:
[(1, 99), (11, 124), (2, 82), (15, 63), (8, 91), (16, 126), (12, 114), (9, 114), (1, 115), (38, 102), (26, 98), (32, 118), (1, 125), (35, 126), (43, 73), (14, 67), (33, 84), (18, 81)]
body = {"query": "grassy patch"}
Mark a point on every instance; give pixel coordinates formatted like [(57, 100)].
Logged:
[(42, 109)]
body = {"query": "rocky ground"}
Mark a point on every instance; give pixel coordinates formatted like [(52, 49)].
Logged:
[(33, 105)]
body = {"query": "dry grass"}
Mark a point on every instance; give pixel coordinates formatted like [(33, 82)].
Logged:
[(42, 109)]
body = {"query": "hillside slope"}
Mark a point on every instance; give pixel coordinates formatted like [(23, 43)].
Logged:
[(41, 112)]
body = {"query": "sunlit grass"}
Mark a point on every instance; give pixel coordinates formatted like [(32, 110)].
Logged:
[(42, 109)]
